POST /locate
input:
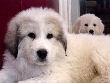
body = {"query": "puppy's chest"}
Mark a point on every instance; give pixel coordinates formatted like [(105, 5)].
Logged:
[(37, 72)]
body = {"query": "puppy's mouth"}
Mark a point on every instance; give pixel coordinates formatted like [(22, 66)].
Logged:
[(42, 60)]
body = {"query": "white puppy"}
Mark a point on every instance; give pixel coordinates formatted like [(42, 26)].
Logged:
[(88, 60), (36, 47), (88, 23)]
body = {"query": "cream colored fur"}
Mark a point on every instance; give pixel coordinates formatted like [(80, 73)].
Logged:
[(88, 59), (90, 20)]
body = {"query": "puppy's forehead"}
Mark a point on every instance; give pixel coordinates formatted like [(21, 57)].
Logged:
[(51, 24), (54, 24), (89, 19), (52, 20), (28, 25)]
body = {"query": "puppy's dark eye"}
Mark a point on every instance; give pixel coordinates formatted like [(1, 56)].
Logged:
[(32, 35), (94, 24), (49, 35), (86, 25)]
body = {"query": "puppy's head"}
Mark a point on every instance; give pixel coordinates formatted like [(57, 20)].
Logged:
[(89, 23), (37, 35)]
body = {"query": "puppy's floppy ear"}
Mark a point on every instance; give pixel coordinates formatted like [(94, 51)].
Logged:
[(63, 40), (101, 26), (76, 27), (11, 38)]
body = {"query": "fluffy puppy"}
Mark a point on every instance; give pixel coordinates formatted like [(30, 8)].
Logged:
[(88, 59), (36, 46), (88, 23)]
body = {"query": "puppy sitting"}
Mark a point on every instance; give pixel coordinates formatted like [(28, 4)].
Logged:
[(88, 23)]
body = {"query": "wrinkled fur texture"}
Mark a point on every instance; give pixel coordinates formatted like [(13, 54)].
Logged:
[(90, 20), (87, 59)]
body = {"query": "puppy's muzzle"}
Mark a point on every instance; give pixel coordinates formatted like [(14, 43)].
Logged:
[(91, 31), (42, 54)]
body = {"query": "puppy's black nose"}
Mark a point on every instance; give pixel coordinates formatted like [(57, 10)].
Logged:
[(42, 53), (91, 31)]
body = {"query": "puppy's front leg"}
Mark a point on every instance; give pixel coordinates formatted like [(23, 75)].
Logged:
[(7, 76), (47, 79), (38, 80)]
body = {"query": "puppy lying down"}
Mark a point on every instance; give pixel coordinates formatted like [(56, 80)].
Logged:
[(87, 61)]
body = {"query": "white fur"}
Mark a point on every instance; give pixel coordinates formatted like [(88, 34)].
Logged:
[(27, 64), (89, 19)]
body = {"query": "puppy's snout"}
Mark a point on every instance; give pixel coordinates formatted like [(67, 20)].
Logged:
[(91, 31), (42, 53)]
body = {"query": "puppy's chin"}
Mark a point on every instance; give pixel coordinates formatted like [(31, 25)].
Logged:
[(41, 63)]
